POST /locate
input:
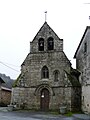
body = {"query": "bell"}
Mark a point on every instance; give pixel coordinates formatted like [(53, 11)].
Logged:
[(41, 44)]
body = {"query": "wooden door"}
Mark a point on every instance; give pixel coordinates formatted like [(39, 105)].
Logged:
[(44, 102)]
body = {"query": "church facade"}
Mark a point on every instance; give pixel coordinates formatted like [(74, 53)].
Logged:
[(47, 80)]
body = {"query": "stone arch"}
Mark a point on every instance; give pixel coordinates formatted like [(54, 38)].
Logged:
[(41, 44), (50, 43), (44, 86), (56, 75), (45, 72)]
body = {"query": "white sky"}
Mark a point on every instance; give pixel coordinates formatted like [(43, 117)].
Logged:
[(20, 20)]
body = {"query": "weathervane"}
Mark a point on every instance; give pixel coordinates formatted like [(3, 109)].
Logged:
[(45, 15), (89, 17), (88, 4)]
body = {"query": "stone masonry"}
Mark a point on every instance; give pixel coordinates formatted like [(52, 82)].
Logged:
[(44, 82), (82, 56)]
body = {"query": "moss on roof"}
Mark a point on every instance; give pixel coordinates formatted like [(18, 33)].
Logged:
[(15, 84), (73, 78)]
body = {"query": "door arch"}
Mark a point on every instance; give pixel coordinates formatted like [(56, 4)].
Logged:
[(44, 99)]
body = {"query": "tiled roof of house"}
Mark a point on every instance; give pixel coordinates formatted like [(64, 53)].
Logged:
[(7, 81), (88, 27), (1, 80)]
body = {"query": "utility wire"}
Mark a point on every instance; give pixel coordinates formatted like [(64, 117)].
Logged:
[(87, 3), (9, 66)]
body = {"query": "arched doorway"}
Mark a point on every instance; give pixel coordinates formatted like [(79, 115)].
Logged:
[(44, 99)]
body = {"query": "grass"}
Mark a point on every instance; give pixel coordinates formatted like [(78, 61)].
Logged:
[(69, 114), (52, 112)]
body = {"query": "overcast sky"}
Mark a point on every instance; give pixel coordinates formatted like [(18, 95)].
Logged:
[(20, 21)]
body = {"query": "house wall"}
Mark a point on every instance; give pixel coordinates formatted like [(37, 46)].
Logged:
[(5, 97), (83, 65), (86, 99)]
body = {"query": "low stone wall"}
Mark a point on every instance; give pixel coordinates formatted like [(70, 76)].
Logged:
[(5, 97)]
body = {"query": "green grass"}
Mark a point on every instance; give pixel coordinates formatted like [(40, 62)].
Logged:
[(69, 114), (51, 112)]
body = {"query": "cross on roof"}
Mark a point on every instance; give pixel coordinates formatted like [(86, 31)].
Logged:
[(45, 15)]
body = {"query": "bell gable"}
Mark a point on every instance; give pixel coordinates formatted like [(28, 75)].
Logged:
[(46, 40)]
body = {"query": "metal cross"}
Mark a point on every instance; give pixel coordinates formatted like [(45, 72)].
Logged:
[(88, 4), (45, 15)]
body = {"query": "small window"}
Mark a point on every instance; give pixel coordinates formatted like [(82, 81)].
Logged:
[(85, 47), (41, 44), (50, 43), (56, 75), (45, 72)]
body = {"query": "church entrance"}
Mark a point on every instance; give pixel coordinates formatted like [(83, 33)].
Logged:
[(44, 100)]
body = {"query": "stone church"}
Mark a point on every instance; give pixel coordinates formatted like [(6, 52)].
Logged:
[(47, 80)]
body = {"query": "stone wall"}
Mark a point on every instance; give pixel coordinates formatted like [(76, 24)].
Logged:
[(83, 65), (54, 61), (76, 99), (25, 98), (5, 97), (86, 99), (46, 32), (30, 83)]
